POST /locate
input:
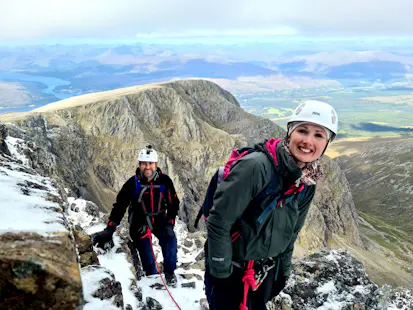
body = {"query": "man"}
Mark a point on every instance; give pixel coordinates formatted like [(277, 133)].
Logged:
[(153, 206)]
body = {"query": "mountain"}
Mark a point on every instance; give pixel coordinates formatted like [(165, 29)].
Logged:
[(379, 172), (89, 145), (38, 278), (92, 142)]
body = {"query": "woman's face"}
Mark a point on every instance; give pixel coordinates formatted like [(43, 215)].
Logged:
[(307, 143)]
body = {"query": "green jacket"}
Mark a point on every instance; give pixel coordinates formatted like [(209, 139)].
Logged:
[(276, 235)]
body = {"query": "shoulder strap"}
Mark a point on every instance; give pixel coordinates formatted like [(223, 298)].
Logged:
[(270, 190), (220, 174), (137, 188), (303, 192)]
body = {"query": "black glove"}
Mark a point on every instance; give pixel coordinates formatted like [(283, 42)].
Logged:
[(278, 285), (104, 237), (169, 231)]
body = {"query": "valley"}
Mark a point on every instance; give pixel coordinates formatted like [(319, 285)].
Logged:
[(379, 171)]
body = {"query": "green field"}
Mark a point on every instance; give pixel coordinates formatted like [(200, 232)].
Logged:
[(358, 117)]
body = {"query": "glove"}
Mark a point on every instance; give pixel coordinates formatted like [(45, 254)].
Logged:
[(278, 285), (104, 237), (169, 229)]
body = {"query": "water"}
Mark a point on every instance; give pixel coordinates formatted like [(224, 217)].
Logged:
[(50, 82)]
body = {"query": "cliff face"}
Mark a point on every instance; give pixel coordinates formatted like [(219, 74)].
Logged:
[(3, 135), (38, 261), (92, 143)]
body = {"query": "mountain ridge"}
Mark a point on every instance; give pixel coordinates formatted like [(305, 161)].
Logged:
[(193, 124)]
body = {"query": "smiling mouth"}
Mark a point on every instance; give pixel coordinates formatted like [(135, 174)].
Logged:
[(304, 150)]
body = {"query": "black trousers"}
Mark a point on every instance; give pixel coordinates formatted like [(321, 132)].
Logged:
[(227, 294)]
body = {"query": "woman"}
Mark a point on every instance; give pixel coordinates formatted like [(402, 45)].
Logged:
[(250, 242)]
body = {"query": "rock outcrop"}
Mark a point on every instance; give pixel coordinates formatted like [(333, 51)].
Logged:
[(3, 135), (38, 261), (336, 280)]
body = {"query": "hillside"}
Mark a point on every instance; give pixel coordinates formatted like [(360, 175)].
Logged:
[(380, 174), (44, 220)]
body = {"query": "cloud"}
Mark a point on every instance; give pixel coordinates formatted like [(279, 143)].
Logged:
[(279, 31), (25, 19)]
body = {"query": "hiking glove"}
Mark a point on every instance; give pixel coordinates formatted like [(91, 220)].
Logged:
[(278, 285), (104, 237), (169, 229)]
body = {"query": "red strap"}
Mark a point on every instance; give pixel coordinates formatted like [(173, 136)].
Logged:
[(232, 158), (148, 234), (294, 189), (271, 145), (235, 236), (249, 281)]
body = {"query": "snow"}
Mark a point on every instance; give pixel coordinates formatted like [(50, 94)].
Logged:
[(327, 288), (187, 298), (13, 144), (331, 303), (117, 263), (90, 280), (121, 268), (16, 208)]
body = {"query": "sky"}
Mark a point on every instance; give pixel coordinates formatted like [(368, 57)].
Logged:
[(58, 21)]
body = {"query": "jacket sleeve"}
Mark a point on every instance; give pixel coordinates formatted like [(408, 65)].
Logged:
[(303, 208), (123, 199), (173, 201), (231, 199), (209, 195)]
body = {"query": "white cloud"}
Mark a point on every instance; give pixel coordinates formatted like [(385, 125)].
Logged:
[(126, 18), (218, 33)]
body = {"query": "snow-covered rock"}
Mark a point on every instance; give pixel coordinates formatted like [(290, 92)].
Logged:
[(335, 280), (38, 265)]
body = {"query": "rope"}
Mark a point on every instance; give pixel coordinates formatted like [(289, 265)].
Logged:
[(149, 235), (249, 281)]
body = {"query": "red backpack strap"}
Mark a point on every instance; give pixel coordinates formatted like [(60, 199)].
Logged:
[(271, 145), (236, 154)]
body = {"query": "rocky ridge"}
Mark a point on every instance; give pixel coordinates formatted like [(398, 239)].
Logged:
[(91, 143), (38, 260)]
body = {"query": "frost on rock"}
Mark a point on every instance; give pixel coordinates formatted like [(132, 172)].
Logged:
[(335, 280), (38, 266)]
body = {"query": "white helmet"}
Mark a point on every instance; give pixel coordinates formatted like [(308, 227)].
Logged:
[(317, 112), (148, 154)]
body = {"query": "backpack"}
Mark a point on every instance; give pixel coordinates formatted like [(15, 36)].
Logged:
[(223, 171)]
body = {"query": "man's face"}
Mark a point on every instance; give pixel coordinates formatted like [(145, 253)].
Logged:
[(148, 168)]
